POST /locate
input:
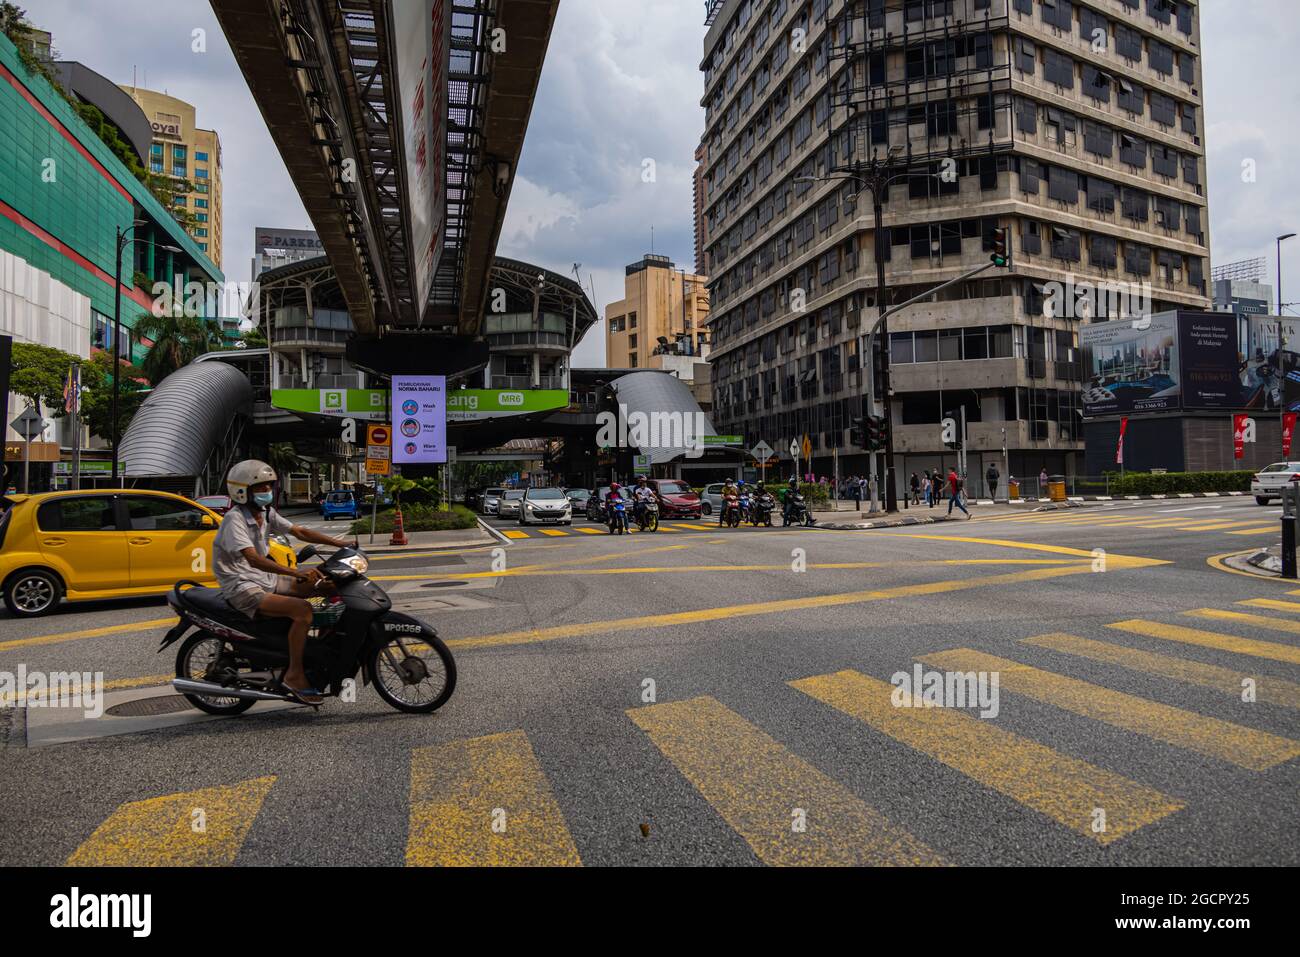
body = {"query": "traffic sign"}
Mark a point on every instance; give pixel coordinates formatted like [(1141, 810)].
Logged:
[(28, 425), (794, 448), (379, 435), (806, 448), (377, 452), (378, 466), (762, 452)]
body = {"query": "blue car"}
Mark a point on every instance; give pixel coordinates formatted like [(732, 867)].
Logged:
[(339, 504)]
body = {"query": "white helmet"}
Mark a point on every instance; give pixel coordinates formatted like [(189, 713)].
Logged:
[(246, 473)]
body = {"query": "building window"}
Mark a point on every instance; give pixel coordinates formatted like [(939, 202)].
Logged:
[(200, 157), (201, 217), (200, 173), (201, 203), (201, 233)]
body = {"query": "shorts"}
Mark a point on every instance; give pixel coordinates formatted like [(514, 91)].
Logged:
[(249, 598)]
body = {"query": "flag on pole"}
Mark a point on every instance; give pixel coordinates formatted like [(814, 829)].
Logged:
[(1119, 451), (72, 390)]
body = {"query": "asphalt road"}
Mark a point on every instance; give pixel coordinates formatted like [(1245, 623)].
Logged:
[(706, 696)]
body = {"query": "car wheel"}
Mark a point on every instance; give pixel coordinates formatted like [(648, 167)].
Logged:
[(32, 592), (1261, 499), (706, 509)]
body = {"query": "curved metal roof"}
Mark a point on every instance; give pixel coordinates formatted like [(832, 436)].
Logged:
[(653, 393), (181, 421)]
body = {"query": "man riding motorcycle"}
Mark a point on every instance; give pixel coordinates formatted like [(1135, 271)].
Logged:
[(730, 499), (614, 515), (642, 494), (787, 497), (254, 584)]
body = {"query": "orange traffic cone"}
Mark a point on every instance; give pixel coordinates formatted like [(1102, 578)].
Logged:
[(399, 531)]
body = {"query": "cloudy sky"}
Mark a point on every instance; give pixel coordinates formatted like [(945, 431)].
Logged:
[(622, 86)]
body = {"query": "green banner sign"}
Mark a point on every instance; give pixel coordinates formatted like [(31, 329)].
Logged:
[(463, 405)]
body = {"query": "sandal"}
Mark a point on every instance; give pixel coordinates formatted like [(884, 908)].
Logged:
[(308, 696)]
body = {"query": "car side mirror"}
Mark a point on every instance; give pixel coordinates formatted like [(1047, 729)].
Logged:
[(306, 552), (207, 521)]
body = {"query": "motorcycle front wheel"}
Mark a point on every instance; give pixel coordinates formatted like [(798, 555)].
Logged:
[(205, 657), (415, 674)]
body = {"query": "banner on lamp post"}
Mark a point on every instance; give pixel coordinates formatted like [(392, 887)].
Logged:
[(1243, 431), (1119, 449), (1288, 429)]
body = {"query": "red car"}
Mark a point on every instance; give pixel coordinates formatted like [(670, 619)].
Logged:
[(676, 499)]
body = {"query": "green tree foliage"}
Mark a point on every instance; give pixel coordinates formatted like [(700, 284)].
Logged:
[(284, 458), (97, 394), (39, 373), (254, 338), (177, 341)]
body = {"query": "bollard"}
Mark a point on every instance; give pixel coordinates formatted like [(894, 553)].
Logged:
[(1290, 507)]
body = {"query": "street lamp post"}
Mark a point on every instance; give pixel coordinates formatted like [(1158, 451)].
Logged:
[(1281, 350), (122, 242)]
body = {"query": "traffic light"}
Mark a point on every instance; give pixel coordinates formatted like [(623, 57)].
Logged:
[(857, 434), (876, 439), (1000, 257)]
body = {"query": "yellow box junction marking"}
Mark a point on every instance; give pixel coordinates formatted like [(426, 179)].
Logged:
[(164, 831), (485, 802), (1241, 617), (1065, 789), (764, 792), (1210, 639), (1267, 688), (1242, 746)]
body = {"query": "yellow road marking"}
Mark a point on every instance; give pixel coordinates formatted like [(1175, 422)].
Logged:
[(485, 802), (1258, 621), (700, 528), (554, 532), (1065, 789), (590, 531), (164, 831), (581, 629), (88, 633), (515, 534), (20, 699), (1234, 743), (1268, 689), (1210, 639), (1257, 530), (1219, 526), (1274, 603), (760, 789), (1124, 561)]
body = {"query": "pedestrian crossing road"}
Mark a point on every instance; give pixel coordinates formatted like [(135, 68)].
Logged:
[(1219, 696)]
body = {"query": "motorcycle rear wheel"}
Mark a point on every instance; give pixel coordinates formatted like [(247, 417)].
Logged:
[(197, 655), (399, 669)]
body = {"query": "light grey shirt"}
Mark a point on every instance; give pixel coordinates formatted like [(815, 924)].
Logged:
[(239, 530)]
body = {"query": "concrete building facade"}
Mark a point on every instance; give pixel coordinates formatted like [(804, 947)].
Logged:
[(181, 149), (662, 306), (1075, 126)]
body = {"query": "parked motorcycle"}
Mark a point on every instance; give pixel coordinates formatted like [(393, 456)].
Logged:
[(233, 661), (761, 511), (616, 510), (796, 511), (648, 516)]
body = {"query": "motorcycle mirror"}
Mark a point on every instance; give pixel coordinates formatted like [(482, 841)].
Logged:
[(306, 552)]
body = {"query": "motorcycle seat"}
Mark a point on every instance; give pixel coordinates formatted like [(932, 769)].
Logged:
[(212, 604)]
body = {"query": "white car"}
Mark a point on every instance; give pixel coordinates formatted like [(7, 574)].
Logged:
[(545, 506), (711, 499), (492, 500), (1270, 480)]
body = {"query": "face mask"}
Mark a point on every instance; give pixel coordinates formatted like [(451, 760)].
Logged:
[(263, 498)]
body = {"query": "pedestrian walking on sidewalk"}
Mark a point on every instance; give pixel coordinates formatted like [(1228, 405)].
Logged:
[(855, 486), (954, 493), (916, 489), (992, 476)]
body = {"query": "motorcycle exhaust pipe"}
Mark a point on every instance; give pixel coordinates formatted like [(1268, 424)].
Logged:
[(209, 689)]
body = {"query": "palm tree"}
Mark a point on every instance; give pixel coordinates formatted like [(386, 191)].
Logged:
[(177, 341)]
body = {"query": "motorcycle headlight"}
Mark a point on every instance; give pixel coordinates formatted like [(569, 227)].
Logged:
[(280, 539), (358, 563)]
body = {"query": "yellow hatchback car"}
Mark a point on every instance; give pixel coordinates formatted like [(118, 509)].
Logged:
[(106, 543)]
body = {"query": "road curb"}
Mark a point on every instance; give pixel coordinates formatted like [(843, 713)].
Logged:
[(495, 533)]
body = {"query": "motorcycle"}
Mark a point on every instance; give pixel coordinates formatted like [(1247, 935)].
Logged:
[(731, 512), (746, 503), (617, 512), (796, 511), (232, 661), (648, 516), (761, 511)]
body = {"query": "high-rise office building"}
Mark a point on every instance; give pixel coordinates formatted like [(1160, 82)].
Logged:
[(701, 235), (180, 149), (274, 247), (1075, 126), (663, 309)]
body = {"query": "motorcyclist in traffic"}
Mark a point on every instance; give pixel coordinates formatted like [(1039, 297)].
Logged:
[(787, 497), (642, 494), (730, 499), (251, 582), (614, 497)]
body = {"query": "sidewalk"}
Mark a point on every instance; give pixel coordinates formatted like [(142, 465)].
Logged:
[(848, 518)]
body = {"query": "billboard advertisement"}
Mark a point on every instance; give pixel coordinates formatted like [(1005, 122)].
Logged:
[(419, 419), (1210, 375), (1265, 355), (1131, 366), (422, 46)]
